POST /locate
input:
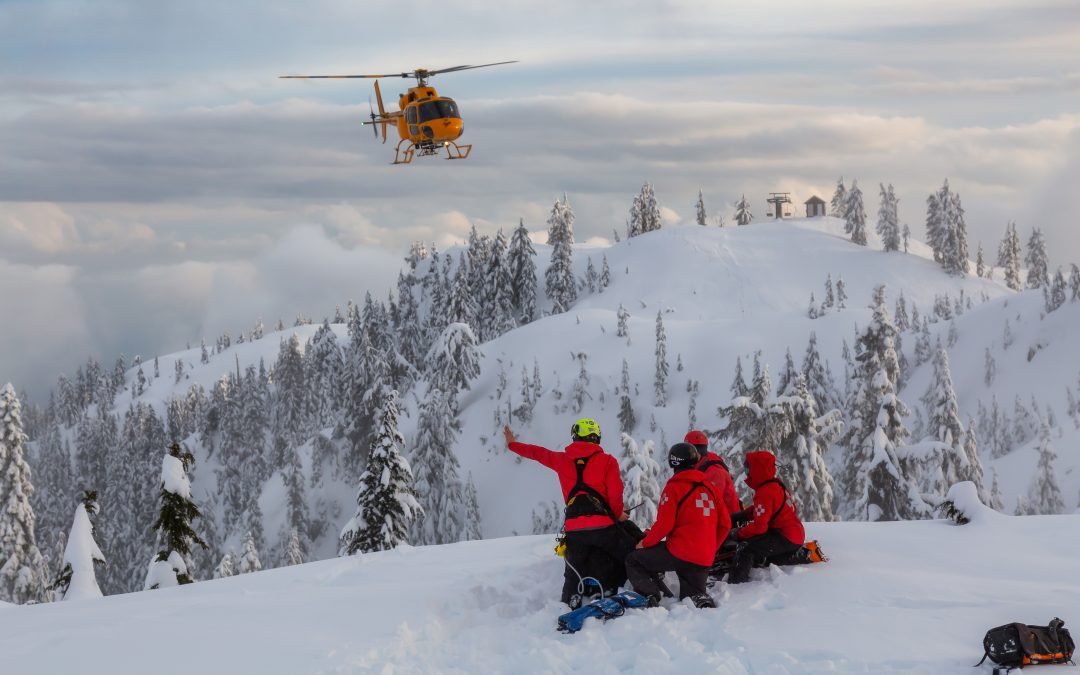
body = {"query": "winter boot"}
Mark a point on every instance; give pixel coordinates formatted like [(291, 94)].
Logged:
[(703, 601), (652, 601), (813, 552)]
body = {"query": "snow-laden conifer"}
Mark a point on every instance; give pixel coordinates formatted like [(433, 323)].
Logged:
[(699, 209), (1038, 265), (621, 328), (1009, 256), (473, 523), (175, 533), (294, 553), (660, 387), (945, 427), (78, 577), (453, 361), (497, 305), (560, 285), (888, 226), (855, 215), (639, 473), (819, 381), (838, 204), (386, 504), (224, 568), (1057, 294), (743, 216), (803, 449), (873, 482), (1044, 495), (22, 567), (522, 263), (627, 417), (436, 480), (249, 559)]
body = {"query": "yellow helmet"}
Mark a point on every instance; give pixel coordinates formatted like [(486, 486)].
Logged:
[(586, 429)]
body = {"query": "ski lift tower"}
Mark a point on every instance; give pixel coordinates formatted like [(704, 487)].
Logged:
[(776, 201)]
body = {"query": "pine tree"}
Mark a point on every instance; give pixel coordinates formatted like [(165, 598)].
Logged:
[(78, 578), (462, 307), (627, 418), (841, 293), (887, 227), (944, 426), (742, 212), (291, 411), (224, 568), (22, 567), (249, 561), (436, 480), (294, 553), (1044, 495), (819, 382), (639, 474), (1037, 263), (838, 205), (650, 209), (522, 263), (803, 449), (903, 323), (1009, 256), (560, 286), (785, 386), (996, 501), (660, 388), (296, 513), (980, 264), (325, 376), (906, 236), (1056, 296), (633, 220), (591, 277), (855, 215), (453, 361), (991, 368), (605, 275), (738, 384), (873, 479), (175, 534), (1074, 283), (946, 231), (700, 210), (830, 298), (621, 329), (386, 504)]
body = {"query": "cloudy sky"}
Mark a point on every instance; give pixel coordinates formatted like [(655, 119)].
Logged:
[(158, 183)]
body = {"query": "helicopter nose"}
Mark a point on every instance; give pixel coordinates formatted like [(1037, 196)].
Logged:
[(448, 129)]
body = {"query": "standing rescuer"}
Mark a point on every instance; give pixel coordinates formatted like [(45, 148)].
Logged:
[(693, 519), (593, 492)]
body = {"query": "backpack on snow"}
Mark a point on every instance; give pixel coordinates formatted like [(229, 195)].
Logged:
[(1016, 645)]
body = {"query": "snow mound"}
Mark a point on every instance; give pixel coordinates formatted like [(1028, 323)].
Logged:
[(965, 498), (910, 597)]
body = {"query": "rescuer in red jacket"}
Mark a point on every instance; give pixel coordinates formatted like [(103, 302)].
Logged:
[(715, 470), (772, 525), (592, 488), (694, 521)]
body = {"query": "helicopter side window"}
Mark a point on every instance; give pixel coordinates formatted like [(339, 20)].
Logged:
[(410, 119)]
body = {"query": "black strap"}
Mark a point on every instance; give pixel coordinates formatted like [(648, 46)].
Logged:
[(694, 487), (581, 486), (983, 659), (709, 463), (783, 502)]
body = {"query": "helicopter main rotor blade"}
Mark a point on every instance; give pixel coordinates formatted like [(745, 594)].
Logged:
[(457, 68), (340, 77)]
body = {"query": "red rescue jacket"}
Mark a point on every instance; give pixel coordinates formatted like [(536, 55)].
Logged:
[(601, 473), (692, 517), (773, 507), (717, 473)]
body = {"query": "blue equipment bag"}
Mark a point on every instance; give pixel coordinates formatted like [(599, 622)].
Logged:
[(603, 609)]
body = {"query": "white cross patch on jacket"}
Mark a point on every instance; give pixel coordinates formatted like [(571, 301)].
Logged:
[(705, 503), (759, 510)]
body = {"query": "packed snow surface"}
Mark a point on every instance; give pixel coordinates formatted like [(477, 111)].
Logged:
[(908, 597)]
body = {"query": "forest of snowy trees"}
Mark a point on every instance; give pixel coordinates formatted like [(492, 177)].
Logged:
[(328, 409)]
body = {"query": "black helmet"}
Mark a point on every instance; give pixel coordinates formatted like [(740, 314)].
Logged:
[(682, 456)]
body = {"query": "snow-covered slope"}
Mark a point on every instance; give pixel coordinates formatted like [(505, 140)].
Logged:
[(911, 597)]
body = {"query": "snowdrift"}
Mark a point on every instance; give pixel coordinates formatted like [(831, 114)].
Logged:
[(911, 597)]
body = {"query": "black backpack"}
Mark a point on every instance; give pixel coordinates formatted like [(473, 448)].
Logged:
[(1016, 645)]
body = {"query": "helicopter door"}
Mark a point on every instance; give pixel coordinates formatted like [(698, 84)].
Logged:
[(410, 119)]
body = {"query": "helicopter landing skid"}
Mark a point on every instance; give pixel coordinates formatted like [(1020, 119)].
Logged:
[(406, 150)]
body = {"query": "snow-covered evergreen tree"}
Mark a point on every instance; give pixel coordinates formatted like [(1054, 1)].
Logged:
[(743, 216), (522, 263), (224, 568), (22, 567), (838, 205), (453, 361), (1009, 256), (873, 481), (1044, 495), (560, 286), (473, 524), (944, 426), (325, 371), (1057, 294), (294, 553), (627, 417), (888, 226), (699, 209), (639, 473), (497, 304), (990, 366), (1038, 265), (855, 215), (803, 450), (660, 387), (650, 209), (175, 534), (436, 480), (605, 275), (78, 577), (818, 380), (788, 374), (980, 263), (462, 306), (946, 231), (738, 383), (291, 392), (386, 504), (249, 560), (621, 329), (591, 277)]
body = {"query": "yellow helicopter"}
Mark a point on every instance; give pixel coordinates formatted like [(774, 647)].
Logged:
[(426, 122)]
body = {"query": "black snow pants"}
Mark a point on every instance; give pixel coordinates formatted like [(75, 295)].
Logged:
[(595, 553), (772, 544), (644, 564)]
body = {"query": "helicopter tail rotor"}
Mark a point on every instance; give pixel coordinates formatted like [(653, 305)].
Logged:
[(373, 118), (382, 110)]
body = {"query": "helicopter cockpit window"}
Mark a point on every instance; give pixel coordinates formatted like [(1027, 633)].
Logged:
[(433, 110), (448, 108)]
